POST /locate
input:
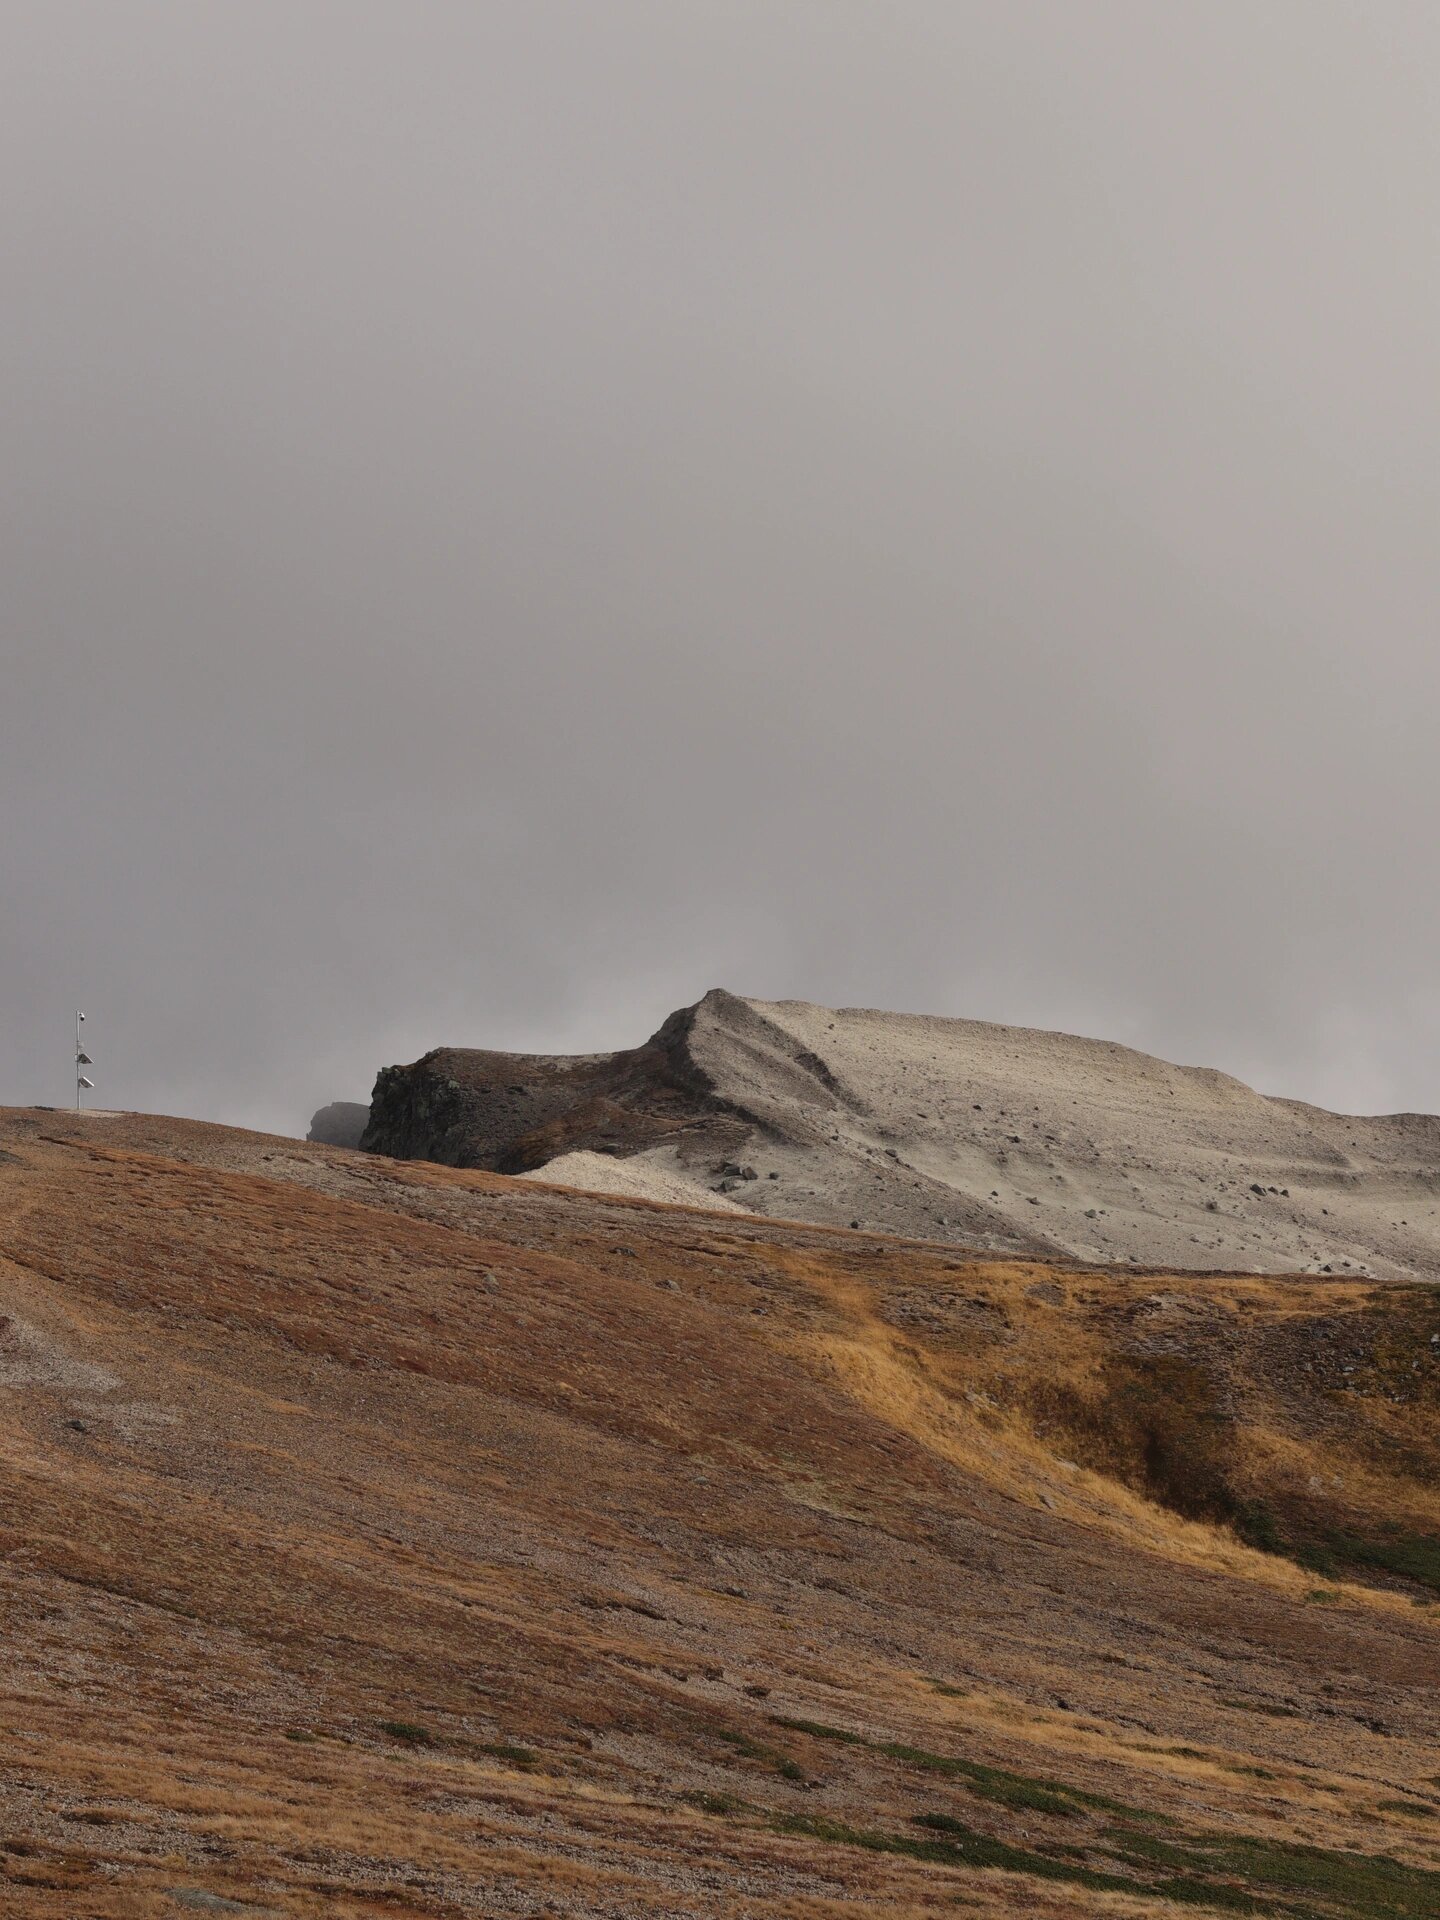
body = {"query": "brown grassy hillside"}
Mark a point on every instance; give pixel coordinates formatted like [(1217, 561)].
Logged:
[(379, 1538)]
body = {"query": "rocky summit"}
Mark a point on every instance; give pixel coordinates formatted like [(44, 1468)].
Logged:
[(991, 1138)]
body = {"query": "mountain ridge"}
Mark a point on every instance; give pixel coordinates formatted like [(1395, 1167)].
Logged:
[(992, 1137)]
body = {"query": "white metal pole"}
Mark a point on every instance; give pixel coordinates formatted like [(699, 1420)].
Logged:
[(77, 1060)]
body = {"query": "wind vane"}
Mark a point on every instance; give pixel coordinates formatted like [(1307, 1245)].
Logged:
[(82, 1059)]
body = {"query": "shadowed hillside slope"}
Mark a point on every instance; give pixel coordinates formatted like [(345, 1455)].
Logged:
[(995, 1138), (341, 1124), (386, 1538)]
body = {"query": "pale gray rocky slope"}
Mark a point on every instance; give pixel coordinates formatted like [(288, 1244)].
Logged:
[(995, 1137)]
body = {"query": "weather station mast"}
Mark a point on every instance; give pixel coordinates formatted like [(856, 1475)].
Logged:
[(82, 1060)]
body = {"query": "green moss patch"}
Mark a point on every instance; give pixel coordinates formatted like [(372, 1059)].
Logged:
[(988, 1783)]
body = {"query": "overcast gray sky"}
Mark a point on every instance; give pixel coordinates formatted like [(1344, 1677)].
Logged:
[(514, 514)]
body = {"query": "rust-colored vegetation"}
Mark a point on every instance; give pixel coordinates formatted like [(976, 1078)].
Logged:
[(380, 1538)]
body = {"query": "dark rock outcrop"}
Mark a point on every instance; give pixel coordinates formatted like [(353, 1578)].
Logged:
[(513, 1112)]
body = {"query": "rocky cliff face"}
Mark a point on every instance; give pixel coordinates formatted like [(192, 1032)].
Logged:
[(513, 1112)]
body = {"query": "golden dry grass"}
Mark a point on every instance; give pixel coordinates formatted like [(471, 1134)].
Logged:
[(379, 1538)]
